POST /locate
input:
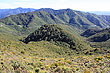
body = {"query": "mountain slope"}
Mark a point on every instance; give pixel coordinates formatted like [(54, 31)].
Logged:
[(90, 32), (97, 35), (44, 56), (102, 36), (98, 38), (30, 21), (78, 17), (55, 34)]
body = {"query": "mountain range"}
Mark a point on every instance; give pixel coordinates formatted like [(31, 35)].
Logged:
[(30, 21), (100, 12), (8, 12), (53, 41)]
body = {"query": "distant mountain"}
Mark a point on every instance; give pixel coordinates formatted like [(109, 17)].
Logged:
[(101, 12), (8, 12), (82, 19)]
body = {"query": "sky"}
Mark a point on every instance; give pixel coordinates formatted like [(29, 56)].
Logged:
[(82, 5)]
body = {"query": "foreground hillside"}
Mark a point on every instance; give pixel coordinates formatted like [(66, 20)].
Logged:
[(45, 57), (50, 57)]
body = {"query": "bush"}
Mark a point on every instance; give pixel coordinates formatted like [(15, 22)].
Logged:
[(37, 70), (86, 71)]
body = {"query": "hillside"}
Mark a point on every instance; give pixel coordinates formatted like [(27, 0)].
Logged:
[(90, 32), (98, 38), (102, 36), (44, 56), (97, 35), (49, 56), (79, 17), (55, 34)]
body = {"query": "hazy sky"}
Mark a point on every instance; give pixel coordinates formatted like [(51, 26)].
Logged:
[(82, 5)]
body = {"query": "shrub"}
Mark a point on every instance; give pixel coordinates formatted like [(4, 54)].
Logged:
[(98, 58), (42, 59), (37, 70), (69, 62), (86, 71)]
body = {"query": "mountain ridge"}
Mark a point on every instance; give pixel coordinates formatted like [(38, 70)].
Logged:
[(31, 20), (7, 12)]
